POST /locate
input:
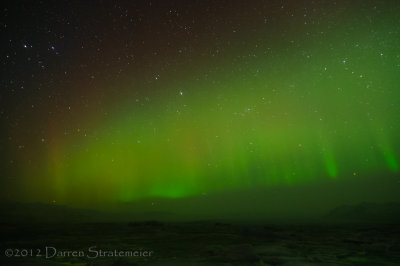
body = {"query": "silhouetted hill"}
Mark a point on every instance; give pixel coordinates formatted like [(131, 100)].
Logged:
[(144, 210), (14, 212), (366, 213), (40, 212)]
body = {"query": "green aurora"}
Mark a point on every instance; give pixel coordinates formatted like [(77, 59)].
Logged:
[(278, 128), (292, 103)]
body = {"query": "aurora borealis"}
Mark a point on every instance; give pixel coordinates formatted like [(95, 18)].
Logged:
[(110, 101)]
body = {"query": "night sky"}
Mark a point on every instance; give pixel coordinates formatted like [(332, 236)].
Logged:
[(119, 101)]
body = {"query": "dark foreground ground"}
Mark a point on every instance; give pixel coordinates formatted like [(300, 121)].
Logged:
[(199, 243)]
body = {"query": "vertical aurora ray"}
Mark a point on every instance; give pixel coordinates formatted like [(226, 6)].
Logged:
[(330, 164), (391, 161), (386, 143)]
